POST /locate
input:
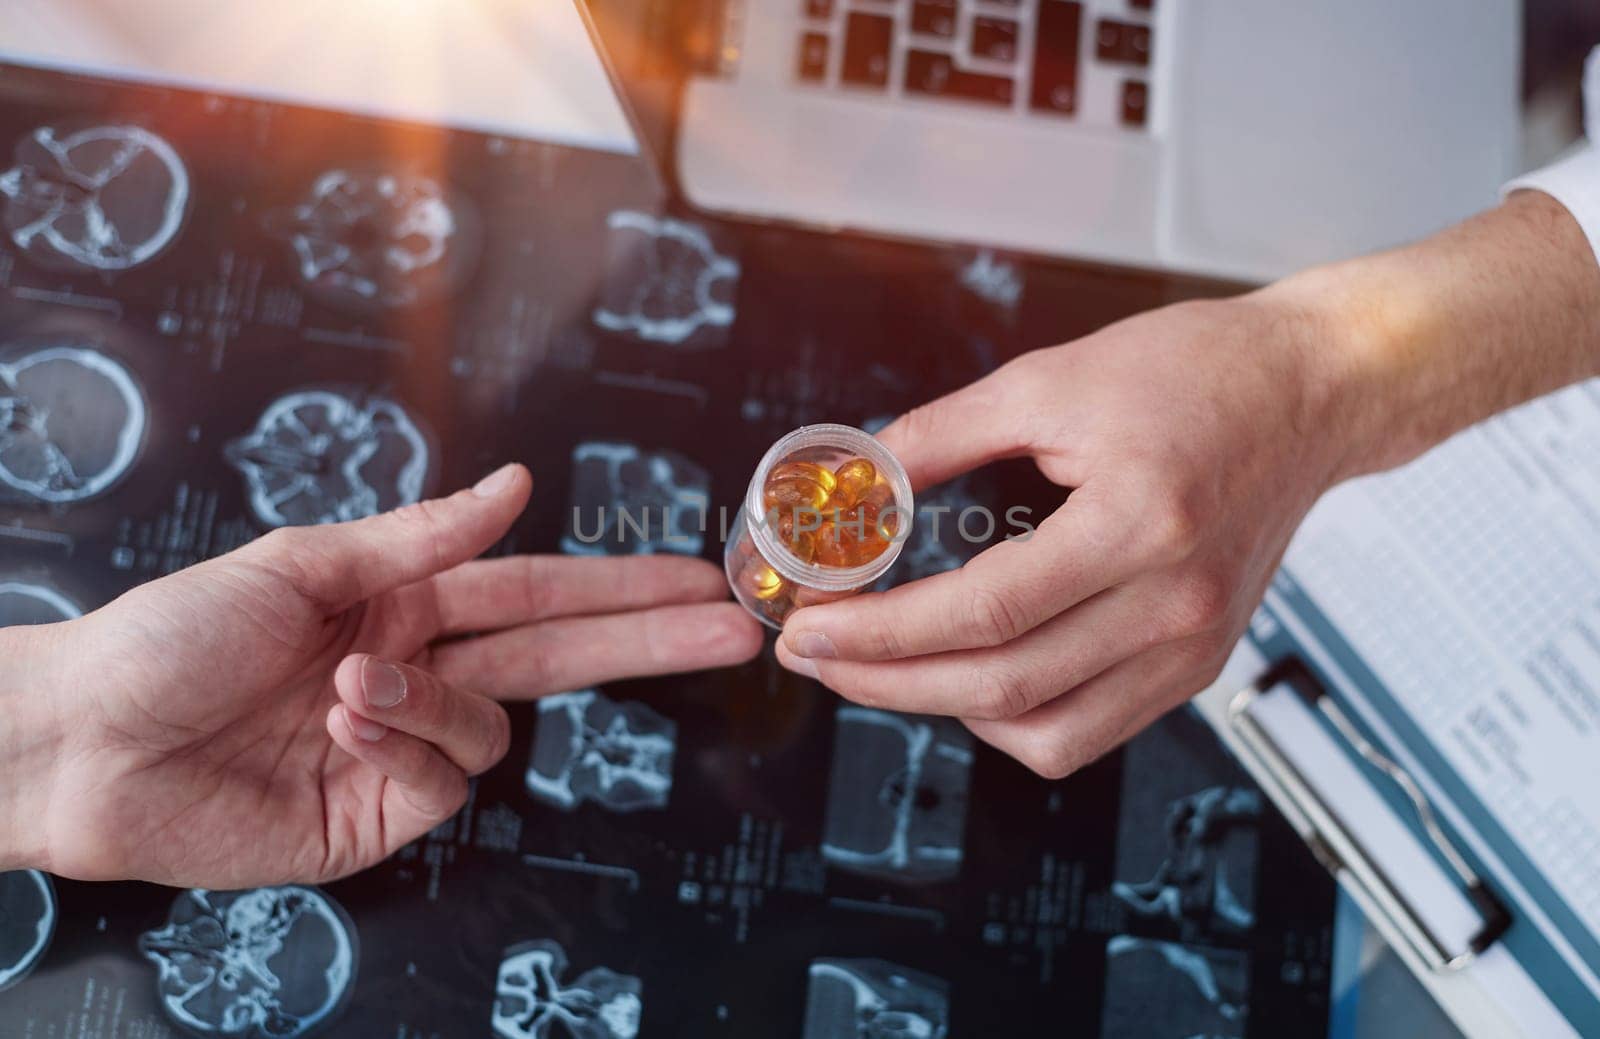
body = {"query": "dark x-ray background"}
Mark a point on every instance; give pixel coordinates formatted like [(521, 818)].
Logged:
[(718, 900)]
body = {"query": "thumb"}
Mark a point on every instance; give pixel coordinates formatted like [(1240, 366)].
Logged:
[(977, 424), (351, 562)]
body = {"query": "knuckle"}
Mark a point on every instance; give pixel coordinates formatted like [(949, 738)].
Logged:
[(498, 744), (452, 794), (994, 616), (1176, 523), (281, 542), (1206, 659), (1000, 692), (883, 641), (1202, 603), (1051, 761), (918, 424)]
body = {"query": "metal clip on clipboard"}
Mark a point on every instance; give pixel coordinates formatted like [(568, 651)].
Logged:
[(1334, 839)]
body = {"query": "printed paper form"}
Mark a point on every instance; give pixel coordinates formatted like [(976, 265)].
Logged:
[(1469, 584)]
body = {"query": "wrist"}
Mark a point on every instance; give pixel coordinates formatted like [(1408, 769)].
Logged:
[(30, 698), (1409, 347), (1335, 334)]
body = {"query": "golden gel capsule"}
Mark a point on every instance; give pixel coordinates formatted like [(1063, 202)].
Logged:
[(853, 480), (818, 474), (880, 495), (796, 492), (766, 584)]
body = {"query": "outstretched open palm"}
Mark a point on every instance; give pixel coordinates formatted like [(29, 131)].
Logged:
[(304, 706)]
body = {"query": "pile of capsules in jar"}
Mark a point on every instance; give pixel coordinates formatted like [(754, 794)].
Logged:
[(827, 517)]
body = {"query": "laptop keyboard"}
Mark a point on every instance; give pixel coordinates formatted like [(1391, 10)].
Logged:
[(1028, 56)]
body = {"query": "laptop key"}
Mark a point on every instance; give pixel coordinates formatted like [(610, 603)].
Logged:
[(994, 38), (1122, 42), (934, 17), (1055, 57), (866, 49), (937, 75), (813, 57), (1135, 103)]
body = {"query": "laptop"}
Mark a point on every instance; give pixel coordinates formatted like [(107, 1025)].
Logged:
[(1236, 138)]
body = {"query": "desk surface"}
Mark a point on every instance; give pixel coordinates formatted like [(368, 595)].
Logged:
[(772, 852)]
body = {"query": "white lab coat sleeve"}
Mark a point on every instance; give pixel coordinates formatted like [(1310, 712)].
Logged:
[(1574, 180)]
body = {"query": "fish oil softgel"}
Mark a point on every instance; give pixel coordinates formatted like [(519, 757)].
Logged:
[(824, 517)]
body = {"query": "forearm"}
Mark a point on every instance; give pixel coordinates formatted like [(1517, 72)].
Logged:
[(28, 741), (1423, 341)]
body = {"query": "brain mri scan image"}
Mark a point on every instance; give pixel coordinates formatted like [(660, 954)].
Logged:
[(1164, 990), (369, 238), (27, 921), (874, 999), (28, 602), (530, 1001), (897, 796), (72, 421), (587, 748), (1206, 872), (631, 502), (270, 963), (666, 283), (328, 455), (994, 279), (106, 198)]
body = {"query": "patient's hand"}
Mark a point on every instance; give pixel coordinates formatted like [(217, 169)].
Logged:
[(304, 706)]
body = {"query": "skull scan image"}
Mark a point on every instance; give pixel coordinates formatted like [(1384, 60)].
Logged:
[(897, 796), (27, 922), (1167, 990), (270, 963), (27, 602), (377, 238), (666, 281), (326, 456), (531, 1002), (106, 198), (626, 501), (1207, 874), (874, 999), (587, 748), (72, 421)]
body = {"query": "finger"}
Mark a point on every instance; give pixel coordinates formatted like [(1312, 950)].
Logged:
[(980, 423), (1006, 681), (471, 731), (424, 788), (1007, 590), (346, 563), (1074, 729), (497, 593), (577, 652)]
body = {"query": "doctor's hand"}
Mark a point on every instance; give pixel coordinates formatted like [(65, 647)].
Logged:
[(301, 708), (1195, 438), (1188, 436)]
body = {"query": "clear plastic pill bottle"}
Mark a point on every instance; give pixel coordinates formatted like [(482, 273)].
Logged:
[(825, 515)]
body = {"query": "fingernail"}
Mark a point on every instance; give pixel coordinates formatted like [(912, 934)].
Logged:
[(365, 728), (800, 666), (495, 482), (813, 644), (381, 685)]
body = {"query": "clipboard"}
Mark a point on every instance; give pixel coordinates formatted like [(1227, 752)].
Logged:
[(1473, 975), (1336, 820)]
